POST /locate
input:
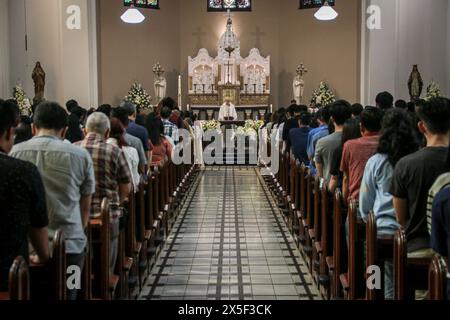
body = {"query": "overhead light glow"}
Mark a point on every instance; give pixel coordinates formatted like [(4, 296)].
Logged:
[(132, 15), (326, 13)]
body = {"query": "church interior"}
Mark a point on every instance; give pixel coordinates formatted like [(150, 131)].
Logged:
[(224, 150)]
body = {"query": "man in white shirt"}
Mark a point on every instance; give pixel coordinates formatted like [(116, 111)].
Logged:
[(227, 111)]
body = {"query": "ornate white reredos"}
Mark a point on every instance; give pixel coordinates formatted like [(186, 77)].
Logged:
[(207, 74)]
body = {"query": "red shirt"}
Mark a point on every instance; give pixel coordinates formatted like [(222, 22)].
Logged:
[(355, 155), (161, 152)]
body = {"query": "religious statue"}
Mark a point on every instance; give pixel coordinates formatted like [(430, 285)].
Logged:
[(415, 83), (160, 83), (299, 83), (39, 83)]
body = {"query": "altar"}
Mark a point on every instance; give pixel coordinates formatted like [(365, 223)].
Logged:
[(245, 81)]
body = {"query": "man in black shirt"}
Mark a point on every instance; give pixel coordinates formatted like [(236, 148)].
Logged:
[(415, 174), (23, 211)]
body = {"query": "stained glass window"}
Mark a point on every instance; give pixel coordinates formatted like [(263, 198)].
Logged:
[(233, 5), (152, 4), (308, 4)]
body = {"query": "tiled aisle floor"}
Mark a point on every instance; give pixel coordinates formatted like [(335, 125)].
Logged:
[(230, 242)]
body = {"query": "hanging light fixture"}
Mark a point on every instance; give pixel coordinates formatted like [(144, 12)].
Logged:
[(132, 15), (326, 12)]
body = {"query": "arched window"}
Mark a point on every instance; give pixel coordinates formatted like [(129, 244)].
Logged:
[(233, 5), (151, 4)]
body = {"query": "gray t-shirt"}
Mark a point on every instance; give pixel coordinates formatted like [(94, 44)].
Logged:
[(137, 144), (325, 149), (68, 173)]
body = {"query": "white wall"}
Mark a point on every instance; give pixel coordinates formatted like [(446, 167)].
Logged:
[(5, 90), (65, 55), (413, 32)]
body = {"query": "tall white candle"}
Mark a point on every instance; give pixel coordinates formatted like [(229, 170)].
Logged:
[(271, 108), (179, 91)]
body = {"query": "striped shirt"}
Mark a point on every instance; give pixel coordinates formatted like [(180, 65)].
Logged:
[(111, 169), (442, 182)]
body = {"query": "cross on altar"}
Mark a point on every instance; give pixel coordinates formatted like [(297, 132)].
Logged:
[(258, 34), (199, 34)]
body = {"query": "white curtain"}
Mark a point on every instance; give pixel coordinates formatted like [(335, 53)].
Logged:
[(5, 91)]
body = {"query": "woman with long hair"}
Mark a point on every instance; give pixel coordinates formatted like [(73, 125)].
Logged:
[(117, 138), (397, 141), (162, 148)]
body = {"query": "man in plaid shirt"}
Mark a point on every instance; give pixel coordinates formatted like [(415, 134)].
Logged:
[(170, 129), (112, 174)]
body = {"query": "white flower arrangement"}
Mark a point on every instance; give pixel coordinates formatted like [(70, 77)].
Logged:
[(139, 97), (323, 95), (255, 125), (245, 131), (22, 100), (433, 91), (211, 125)]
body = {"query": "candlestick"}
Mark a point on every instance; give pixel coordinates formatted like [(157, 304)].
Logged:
[(179, 91)]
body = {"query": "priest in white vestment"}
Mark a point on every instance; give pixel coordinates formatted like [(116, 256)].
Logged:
[(228, 111)]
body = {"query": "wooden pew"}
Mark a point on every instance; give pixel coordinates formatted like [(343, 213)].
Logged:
[(326, 241), (308, 220), (301, 213), (18, 281), (316, 232), (48, 281), (152, 218), (379, 249), (410, 274), (437, 279), (353, 281), (143, 235), (132, 247), (105, 282), (338, 263)]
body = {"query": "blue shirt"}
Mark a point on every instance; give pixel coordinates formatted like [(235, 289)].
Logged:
[(139, 132), (374, 194), (68, 174), (299, 141), (440, 231), (314, 136)]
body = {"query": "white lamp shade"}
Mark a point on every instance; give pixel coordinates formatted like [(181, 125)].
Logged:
[(326, 13), (132, 15)]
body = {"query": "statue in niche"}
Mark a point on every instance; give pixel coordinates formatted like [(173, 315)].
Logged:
[(160, 82), (299, 83), (39, 83), (415, 84)]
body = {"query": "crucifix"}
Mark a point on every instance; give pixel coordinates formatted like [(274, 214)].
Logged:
[(199, 34), (258, 34)]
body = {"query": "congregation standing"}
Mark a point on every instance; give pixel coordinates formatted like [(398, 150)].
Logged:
[(58, 166)]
